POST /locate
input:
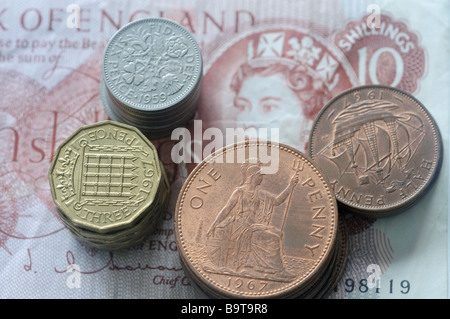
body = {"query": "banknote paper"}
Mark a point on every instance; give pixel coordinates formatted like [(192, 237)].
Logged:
[(266, 66)]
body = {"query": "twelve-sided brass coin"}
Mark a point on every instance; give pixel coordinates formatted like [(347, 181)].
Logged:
[(108, 184), (242, 232), (379, 147)]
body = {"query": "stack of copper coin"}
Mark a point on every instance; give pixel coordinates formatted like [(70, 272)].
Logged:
[(379, 147), (152, 76), (246, 230), (109, 187)]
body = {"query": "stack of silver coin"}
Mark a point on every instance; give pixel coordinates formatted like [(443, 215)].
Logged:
[(152, 76)]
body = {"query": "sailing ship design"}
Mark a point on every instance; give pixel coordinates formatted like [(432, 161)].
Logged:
[(374, 143)]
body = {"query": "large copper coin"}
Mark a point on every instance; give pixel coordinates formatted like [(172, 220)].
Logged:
[(379, 147), (242, 233)]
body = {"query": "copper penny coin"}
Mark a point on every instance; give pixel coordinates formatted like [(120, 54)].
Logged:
[(379, 147), (246, 232)]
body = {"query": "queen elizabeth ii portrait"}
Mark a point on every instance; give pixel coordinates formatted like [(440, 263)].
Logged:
[(272, 78)]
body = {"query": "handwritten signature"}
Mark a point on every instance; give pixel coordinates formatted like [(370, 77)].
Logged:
[(29, 266), (113, 266)]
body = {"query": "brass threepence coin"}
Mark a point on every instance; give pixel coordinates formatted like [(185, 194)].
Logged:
[(152, 76), (244, 231), (108, 184), (379, 147)]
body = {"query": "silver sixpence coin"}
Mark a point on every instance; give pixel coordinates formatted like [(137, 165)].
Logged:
[(152, 64)]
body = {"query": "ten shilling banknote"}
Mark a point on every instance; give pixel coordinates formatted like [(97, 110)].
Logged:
[(271, 66)]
